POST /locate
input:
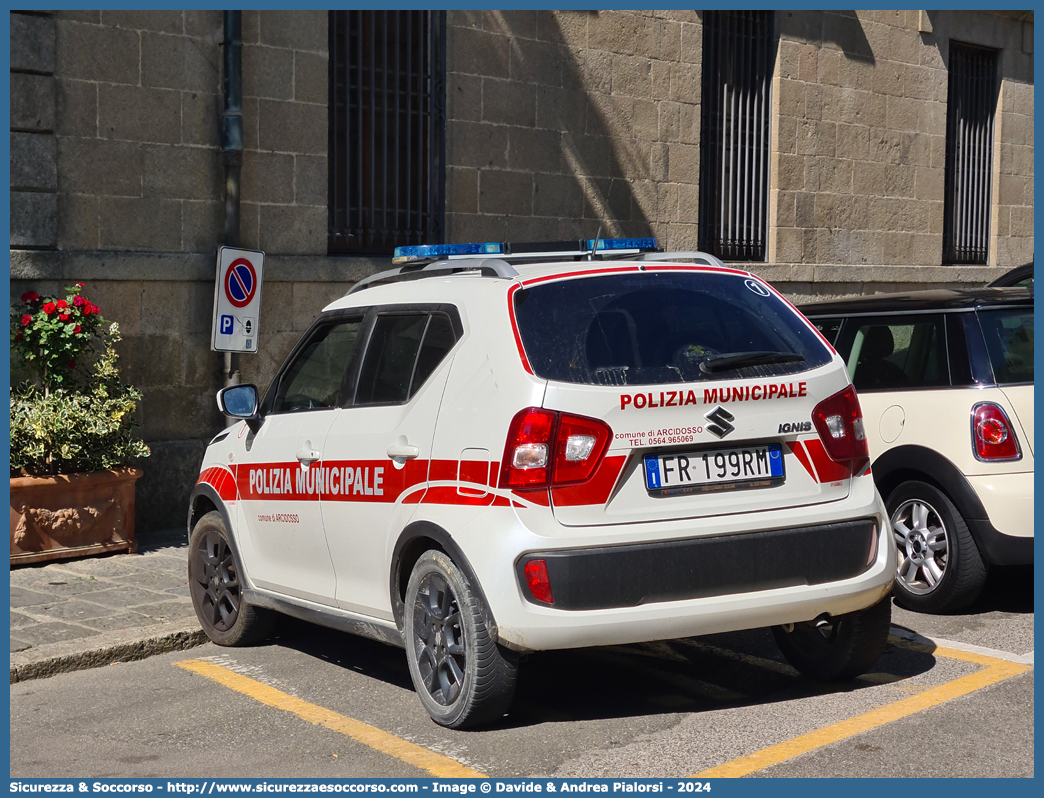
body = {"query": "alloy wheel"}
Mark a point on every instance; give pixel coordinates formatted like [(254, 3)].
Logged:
[(217, 582), (439, 640), (923, 544)]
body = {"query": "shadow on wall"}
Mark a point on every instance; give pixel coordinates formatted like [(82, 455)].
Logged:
[(842, 28), (993, 30), (559, 155)]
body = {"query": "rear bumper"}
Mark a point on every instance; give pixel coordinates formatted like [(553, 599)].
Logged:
[(1005, 536), (629, 576), (1000, 549), (496, 542)]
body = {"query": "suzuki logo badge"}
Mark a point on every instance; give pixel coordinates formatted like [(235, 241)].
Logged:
[(720, 418)]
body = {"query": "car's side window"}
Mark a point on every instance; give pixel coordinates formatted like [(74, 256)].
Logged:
[(828, 327), (390, 358), (439, 339), (318, 377), (404, 350), (1008, 333), (895, 352)]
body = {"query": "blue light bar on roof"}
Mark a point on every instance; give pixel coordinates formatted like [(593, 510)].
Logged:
[(534, 250), (615, 244), (436, 251)]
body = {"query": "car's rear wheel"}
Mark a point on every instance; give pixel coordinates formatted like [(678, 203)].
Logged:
[(837, 648), (216, 587), (462, 675), (939, 568)]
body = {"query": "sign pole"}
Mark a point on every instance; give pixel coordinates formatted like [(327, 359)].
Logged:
[(232, 147)]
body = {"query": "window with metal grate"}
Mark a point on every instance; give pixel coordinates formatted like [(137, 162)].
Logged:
[(387, 130), (971, 104), (738, 56)]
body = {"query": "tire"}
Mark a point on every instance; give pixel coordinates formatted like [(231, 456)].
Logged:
[(837, 649), (463, 677), (939, 568), (215, 583)]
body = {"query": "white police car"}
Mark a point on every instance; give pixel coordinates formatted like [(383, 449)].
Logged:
[(495, 449)]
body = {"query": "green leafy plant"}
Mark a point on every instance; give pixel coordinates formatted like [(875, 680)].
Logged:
[(76, 428), (50, 336)]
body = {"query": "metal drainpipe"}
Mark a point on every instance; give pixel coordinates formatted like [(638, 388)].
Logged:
[(232, 146)]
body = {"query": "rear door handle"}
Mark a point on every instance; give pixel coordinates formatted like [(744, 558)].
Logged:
[(400, 451), (308, 456)]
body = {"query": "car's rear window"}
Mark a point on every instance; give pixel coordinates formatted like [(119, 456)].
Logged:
[(1009, 340), (658, 327)]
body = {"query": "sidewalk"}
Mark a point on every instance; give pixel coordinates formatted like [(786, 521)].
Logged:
[(75, 614)]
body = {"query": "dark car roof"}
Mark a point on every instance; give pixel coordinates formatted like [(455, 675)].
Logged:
[(1016, 275), (932, 299)]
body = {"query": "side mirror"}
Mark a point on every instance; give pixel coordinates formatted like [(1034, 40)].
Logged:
[(240, 401)]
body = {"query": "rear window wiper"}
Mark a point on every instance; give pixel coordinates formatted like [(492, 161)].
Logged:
[(737, 360)]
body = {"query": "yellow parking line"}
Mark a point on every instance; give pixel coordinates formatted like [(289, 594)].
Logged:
[(435, 764), (994, 670)]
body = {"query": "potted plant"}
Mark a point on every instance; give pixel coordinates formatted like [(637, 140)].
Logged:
[(72, 433)]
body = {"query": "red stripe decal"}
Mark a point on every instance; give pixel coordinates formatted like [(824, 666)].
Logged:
[(221, 480), (514, 328), (443, 471), (335, 480), (447, 495), (802, 456), (828, 470), (596, 490), (534, 497), (362, 481)]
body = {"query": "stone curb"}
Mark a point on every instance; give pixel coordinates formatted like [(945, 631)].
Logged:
[(41, 662)]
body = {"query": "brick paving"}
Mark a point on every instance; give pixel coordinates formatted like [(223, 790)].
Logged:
[(66, 612)]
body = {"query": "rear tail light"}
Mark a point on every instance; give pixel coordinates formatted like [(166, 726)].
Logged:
[(992, 433), (546, 448), (839, 422)]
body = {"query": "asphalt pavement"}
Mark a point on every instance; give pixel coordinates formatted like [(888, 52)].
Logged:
[(661, 709), (74, 614)]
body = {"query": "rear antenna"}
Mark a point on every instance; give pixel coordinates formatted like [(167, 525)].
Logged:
[(594, 243)]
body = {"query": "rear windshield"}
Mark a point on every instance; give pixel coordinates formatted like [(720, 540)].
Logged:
[(658, 327), (1009, 340)]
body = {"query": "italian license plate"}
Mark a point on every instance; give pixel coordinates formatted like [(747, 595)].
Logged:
[(758, 466)]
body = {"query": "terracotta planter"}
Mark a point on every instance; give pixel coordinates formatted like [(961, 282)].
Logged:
[(72, 515)]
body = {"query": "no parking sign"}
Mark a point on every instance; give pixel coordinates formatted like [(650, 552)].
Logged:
[(237, 300)]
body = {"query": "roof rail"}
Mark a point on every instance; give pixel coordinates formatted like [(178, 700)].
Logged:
[(487, 267), (702, 257)]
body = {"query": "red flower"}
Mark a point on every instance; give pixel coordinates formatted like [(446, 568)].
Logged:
[(71, 364), (81, 285), (18, 337), (27, 320), (77, 330), (63, 316), (30, 296), (62, 303), (79, 301), (48, 308)]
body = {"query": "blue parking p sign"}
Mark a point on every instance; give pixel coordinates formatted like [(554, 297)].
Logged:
[(237, 300)]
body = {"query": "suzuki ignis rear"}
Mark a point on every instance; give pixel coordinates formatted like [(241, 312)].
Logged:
[(492, 450)]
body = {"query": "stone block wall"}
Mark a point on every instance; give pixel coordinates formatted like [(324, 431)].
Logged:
[(859, 144), (558, 120), (116, 124), (34, 169)]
